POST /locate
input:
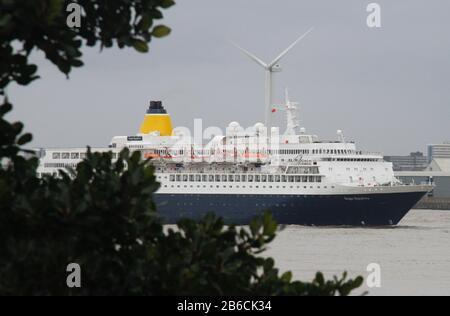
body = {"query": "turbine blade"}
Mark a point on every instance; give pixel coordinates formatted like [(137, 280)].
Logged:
[(276, 60), (252, 56)]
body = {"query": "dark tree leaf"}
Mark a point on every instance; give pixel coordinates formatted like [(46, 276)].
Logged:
[(161, 31)]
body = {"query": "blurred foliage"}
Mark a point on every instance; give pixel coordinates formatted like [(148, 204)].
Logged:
[(102, 217), (27, 25)]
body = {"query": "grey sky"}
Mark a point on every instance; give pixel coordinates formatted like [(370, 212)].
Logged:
[(388, 88)]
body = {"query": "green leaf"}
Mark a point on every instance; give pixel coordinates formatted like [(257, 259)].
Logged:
[(167, 3), (145, 23), (24, 139), (140, 46), (287, 276), (5, 108), (77, 63), (161, 31), (320, 279), (270, 226), (64, 67), (30, 69)]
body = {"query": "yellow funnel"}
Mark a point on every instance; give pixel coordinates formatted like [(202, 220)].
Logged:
[(156, 120)]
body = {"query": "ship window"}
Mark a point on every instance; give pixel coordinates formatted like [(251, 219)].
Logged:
[(298, 179), (257, 178), (291, 178), (311, 179), (244, 178), (211, 178), (185, 177), (270, 178), (75, 156), (217, 178), (250, 178), (277, 178), (178, 177), (191, 178), (237, 178), (65, 155), (283, 178), (264, 178), (224, 178), (172, 177), (56, 155), (231, 178), (204, 178), (198, 178)]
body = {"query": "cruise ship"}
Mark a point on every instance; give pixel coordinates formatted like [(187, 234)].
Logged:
[(245, 172), (297, 177)]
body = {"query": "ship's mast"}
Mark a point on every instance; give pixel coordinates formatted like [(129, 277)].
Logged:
[(270, 68), (291, 108)]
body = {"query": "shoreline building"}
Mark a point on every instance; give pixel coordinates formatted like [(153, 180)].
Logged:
[(416, 161), (438, 151), (437, 172)]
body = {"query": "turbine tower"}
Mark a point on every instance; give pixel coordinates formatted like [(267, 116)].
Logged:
[(270, 68)]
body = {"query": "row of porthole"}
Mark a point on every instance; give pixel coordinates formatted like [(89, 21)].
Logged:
[(244, 187), (224, 205), (200, 196)]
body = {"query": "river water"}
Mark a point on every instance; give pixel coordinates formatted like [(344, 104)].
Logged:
[(414, 257)]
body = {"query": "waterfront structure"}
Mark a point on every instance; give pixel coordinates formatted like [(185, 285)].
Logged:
[(414, 162), (438, 151)]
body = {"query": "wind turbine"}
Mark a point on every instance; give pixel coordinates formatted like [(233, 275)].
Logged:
[(270, 68)]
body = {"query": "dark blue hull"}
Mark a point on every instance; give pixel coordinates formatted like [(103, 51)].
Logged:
[(318, 210)]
